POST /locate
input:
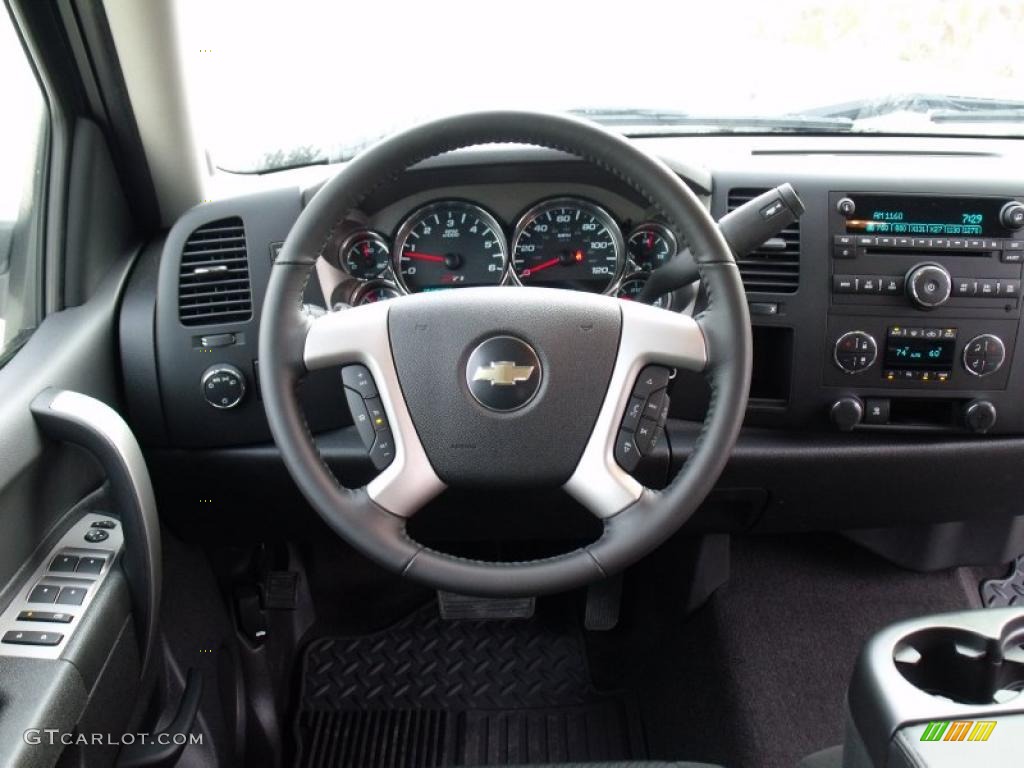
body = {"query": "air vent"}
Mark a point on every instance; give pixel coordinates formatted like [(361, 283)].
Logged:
[(213, 284), (775, 266)]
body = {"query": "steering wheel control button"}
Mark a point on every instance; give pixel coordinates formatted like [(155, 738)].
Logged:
[(91, 565), (54, 617), (105, 524), (223, 386), (651, 379), (627, 455), (71, 596), (27, 637), (656, 407), (645, 436), (855, 352), (634, 410), (360, 417), (43, 593), (96, 535), (984, 355), (64, 563), (357, 377), (383, 451), (375, 411), (503, 373)]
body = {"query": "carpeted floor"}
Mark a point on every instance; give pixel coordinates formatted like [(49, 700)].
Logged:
[(757, 677)]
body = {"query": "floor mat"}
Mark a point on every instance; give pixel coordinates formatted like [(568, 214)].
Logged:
[(428, 692)]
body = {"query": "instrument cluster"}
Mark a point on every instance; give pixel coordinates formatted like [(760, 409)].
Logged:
[(561, 242)]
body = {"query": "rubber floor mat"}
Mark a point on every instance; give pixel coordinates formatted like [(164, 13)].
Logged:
[(428, 693)]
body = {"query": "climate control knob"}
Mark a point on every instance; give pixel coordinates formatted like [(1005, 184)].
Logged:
[(984, 354), (855, 352), (223, 386), (929, 285)]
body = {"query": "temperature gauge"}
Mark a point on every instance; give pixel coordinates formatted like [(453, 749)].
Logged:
[(365, 255), (650, 245)]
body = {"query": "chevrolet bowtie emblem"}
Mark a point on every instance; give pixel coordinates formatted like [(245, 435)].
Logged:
[(503, 373)]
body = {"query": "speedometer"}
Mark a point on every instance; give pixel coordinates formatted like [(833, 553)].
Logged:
[(568, 243), (449, 244)]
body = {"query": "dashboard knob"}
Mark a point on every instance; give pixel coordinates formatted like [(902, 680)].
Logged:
[(929, 285), (984, 354), (1012, 215), (979, 416), (846, 207), (855, 352), (223, 386), (846, 413)]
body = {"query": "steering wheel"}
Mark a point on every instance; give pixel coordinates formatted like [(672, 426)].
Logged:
[(487, 387)]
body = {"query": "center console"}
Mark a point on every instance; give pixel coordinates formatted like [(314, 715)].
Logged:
[(924, 308)]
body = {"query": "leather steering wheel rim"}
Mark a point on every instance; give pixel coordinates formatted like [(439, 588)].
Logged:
[(629, 533)]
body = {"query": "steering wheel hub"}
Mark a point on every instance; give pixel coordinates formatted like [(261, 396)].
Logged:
[(504, 373)]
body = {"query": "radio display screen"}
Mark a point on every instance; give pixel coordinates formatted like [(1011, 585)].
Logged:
[(921, 216), (919, 353)]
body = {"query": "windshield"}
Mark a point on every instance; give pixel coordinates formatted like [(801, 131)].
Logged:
[(280, 84)]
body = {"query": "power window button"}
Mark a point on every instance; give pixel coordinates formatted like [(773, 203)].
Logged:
[(43, 593), (71, 596), (91, 565), (64, 563)]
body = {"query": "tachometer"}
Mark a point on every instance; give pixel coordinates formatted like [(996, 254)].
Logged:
[(650, 245), (449, 244), (568, 243), (365, 255)]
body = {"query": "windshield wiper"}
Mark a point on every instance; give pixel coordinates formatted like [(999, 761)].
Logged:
[(941, 108), (665, 121)]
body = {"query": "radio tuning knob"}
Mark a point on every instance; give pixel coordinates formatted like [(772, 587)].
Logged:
[(1012, 215), (929, 285)]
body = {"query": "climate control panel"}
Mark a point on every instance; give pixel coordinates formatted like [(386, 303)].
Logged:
[(881, 352)]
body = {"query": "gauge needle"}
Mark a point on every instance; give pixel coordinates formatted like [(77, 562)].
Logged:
[(543, 265), (424, 257)]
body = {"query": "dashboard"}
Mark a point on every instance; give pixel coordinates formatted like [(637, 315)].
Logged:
[(886, 322)]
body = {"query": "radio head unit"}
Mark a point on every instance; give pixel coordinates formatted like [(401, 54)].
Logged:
[(919, 215)]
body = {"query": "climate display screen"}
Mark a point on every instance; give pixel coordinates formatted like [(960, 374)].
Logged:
[(921, 216), (919, 353)]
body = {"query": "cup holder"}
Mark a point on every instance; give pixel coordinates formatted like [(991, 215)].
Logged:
[(963, 666)]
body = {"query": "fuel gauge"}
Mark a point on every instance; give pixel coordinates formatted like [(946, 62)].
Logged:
[(632, 285)]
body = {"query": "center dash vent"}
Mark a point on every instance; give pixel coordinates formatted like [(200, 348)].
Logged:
[(775, 266), (213, 285)]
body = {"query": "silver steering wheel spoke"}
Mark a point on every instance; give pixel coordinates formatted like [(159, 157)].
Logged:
[(360, 335), (650, 336)]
